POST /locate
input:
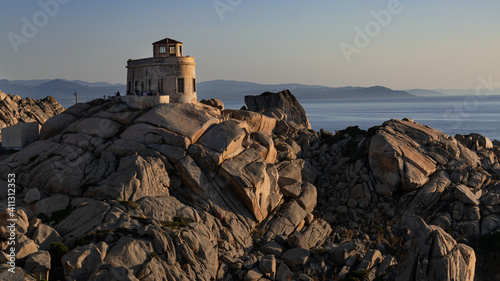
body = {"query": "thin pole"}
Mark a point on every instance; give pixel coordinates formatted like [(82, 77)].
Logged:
[(76, 96)]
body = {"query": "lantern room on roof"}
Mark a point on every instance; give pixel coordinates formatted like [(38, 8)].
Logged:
[(167, 48)]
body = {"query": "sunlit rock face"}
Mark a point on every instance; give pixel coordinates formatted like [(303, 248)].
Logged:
[(193, 191)]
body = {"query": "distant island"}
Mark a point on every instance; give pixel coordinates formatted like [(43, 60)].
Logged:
[(226, 90), (236, 90), (425, 93), (223, 89), (61, 89)]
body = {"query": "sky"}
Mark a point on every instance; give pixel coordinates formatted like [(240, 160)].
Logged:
[(398, 44)]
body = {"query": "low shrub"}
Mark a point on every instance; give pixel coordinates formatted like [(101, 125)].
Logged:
[(57, 250)]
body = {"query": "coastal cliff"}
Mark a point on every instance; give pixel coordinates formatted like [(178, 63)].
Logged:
[(196, 192)]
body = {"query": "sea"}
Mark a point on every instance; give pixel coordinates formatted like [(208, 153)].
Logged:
[(449, 114)]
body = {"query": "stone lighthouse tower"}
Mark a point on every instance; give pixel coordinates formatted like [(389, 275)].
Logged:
[(168, 72)]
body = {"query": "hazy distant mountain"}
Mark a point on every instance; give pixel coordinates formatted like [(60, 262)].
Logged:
[(9, 87), (226, 90), (425, 93), (62, 90), (96, 84), (460, 92), (236, 90), (30, 83), (468, 92)]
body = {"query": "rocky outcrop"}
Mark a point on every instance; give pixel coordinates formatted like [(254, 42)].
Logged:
[(15, 110), (404, 154), (273, 103), (369, 181), (176, 190), (432, 254), (217, 103), (190, 192), (475, 141)]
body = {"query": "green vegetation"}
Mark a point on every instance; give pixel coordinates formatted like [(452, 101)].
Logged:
[(177, 223), (57, 250), (320, 254), (380, 277), (356, 275), (321, 251), (82, 241), (380, 230), (286, 158)]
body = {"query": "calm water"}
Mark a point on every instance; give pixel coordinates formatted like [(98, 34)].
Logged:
[(452, 115)]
